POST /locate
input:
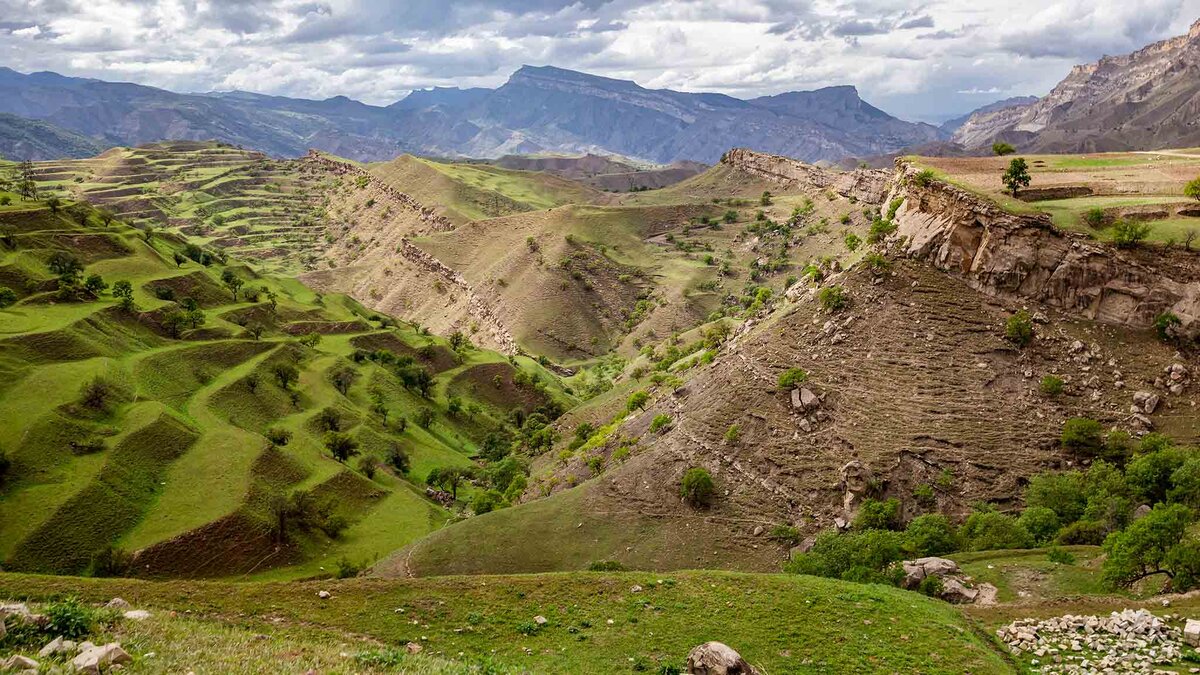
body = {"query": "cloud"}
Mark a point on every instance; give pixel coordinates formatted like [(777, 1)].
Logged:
[(377, 50)]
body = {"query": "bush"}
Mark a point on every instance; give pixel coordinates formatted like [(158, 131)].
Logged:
[(1051, 385), (1040, 522), (606, 566), (733, 434), (876, 263), (925, 495), (341, 446), (853, 241), (69, 619), (1060, 492), (397, 458), (637, 401), (1095, 218), (111, 562), (279, 436), (1129, 234), (7, 297), (930, 534), (878, 515), (1083, 532), (854, 556), (97, 393), (924, 178), (697, 486), (5, 465), (1082, 436), (932, 586), (368, 465), (1019, 328), (487, 501), (1060, 556), (792, 377), (1166, 324), (832, 298), (1149, 474), (660, 422), (989, 530), (348, 569), (785, 534)]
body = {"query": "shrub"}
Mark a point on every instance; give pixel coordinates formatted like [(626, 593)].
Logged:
[(853, 241), (1095, 218), (878, 515), (1000, 148), (932, 586), (1149, 474), (1083, 532), (1165, 325), (732, 434), (1019, 328), (8, 297), (876, 263), (397, 458), (924, 495), (1060, 492), (367, 465), (660, 422), (69, 619), (792, 377), (930, 534), (1051, 385), (5, 465), (329, 419), (1040, 522), (924, 178), (854, 556), (606, 566), (1129, 234), (1060, 556), (347, 569), (1082, 436), (989, 530), (832, 298), (785, 534), (279, 436), (97, 393), (111, 562), (486, 501), (697, 486)]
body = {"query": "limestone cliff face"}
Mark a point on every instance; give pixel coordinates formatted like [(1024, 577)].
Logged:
[(868, 185), (1026, 257)]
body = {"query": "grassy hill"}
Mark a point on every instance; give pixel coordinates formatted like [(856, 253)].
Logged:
[(143, 424), (595, 622)]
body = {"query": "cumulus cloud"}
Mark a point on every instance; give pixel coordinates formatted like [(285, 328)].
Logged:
[(919, 59)]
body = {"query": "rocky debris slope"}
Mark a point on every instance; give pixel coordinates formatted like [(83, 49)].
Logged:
[(1026, 257), (867, 185), (436, 222), (1130, 641)]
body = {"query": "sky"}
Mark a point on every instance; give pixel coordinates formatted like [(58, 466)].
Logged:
[(917, 60)]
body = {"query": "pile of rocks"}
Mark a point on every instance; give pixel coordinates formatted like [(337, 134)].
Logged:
[(808, 405), (956, 587), (1175, 377), (1130, 641)]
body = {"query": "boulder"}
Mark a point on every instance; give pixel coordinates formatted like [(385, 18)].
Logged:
[(804, 546), (324, 595), (412, 648), (540, 620), (1141, 511), (137, 614), (56, 646), (916, 570), (17, 662), (1145, 402), (93, 660), (955, 591), (715, 658), (1191, 632), (117, 603), (809, 400)]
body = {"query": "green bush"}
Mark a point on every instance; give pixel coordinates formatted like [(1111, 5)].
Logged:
[(924, 495), (1040, 522), (785, 534), (833, 298), (279, 436), (660, 422), (1149, 474), (853, 241), (1060, 556), (930, 534), (1083, 532), (1095, 218), (1019, 328), (989, 530), (606, 566), (1051, 385), (854, 556), (932, 586), (878, 515), (1165, 325), (733, 434), (486, 501), (69, 619), (348, 569), (1060, 492), (876, 263), (1000, 148), (1129, 234), (697, 486), (1082, 436), (924, 178), (792, 377), (111, 562), (8, 297)]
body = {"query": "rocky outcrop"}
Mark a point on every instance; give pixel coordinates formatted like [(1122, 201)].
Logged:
[(1027, 257), (867, 185), (716, 658), (435, 221), (477, 306)]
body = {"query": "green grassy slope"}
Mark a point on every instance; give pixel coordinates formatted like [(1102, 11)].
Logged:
[(596, 622), (174, 460)]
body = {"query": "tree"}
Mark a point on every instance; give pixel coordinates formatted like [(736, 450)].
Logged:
[(930, 534), (106, 216), (196, 318), (341, 445), (878, 515), (343, 377), (26, 183), (285, 374), (233, 282), (8, 297), (95, 285), (697, 486), (179, 258), (1018, 329), (1129, 234), (1192, 189), (765, 200), (448, 478), (637, 401), (174, 322), (97, 393), (1017, 175), (255, 329), (64, 265), (1000, 149), (1144, 548), (1041, 523), (123, 290), (54, 203), (487, 501), (988, 530), (397, 458), (1082, 436)]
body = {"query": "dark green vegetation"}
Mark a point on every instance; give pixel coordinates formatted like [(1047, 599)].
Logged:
[(160, 397), (595, 622)]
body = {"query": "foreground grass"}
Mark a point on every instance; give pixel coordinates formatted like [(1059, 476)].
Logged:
[(596, 622)]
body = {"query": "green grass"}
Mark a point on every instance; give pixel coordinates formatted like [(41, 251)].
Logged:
[(780, 623), (1029, 575)]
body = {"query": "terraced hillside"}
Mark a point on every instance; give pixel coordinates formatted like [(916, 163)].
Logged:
[(166, 402), (260, 209)]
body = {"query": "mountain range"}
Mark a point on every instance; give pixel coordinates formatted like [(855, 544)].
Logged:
[(538, 110)]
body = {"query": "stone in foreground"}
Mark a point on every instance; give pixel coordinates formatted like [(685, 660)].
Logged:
[(715, 658)]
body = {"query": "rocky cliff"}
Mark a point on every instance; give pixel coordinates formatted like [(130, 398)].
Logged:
[(1026, 257), (868, 185)]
